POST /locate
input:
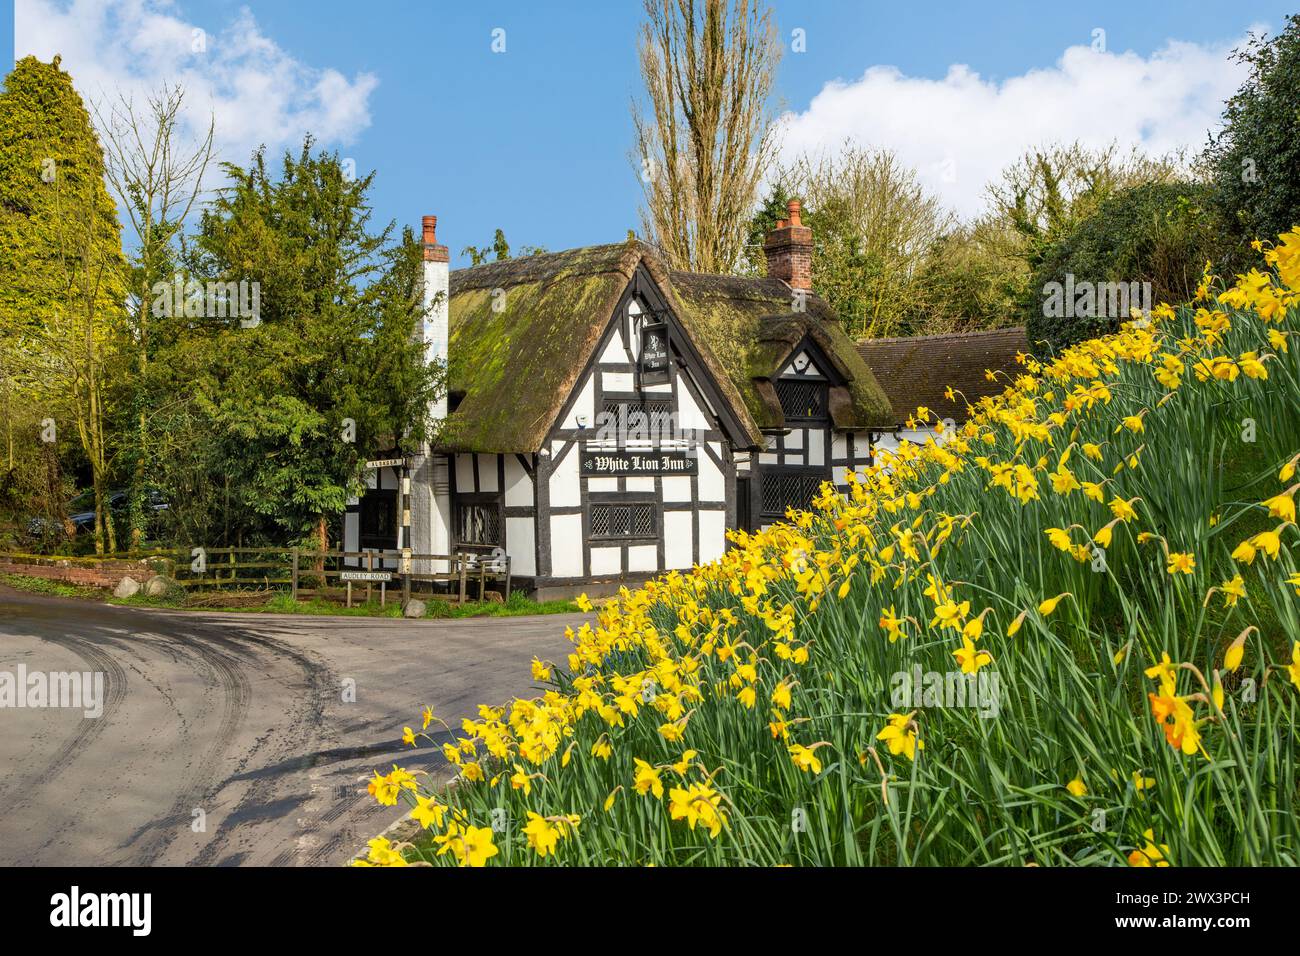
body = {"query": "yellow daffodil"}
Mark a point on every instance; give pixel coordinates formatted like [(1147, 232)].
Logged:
[(1150, 855), (900, 734)]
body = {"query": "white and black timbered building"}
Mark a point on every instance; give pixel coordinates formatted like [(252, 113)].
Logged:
[(608, 419)]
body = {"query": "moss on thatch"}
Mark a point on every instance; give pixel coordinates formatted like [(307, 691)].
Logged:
[(522, 331), (752, 327)]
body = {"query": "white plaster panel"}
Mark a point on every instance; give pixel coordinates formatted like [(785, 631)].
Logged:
[(566, 546), (584, 406), (640, 484), (689, 413), (713, 535), (564, 479), (521, 546), (606, 560), (643, 557), (678, 487), (679, 539), (617, 381), (519, 487), (465, 473), (615, 351), (487, 473), (712, 482), (816, 447)]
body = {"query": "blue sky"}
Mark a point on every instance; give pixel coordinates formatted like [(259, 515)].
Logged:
[(535, 140)]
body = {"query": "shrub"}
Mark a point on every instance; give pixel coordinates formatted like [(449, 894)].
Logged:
[(1161, 234), (1255, 159)]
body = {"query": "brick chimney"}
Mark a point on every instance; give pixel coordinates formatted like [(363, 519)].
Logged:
[(432, 251), (789, 248)]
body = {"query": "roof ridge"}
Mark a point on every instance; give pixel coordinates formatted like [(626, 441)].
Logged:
[(532, 256)]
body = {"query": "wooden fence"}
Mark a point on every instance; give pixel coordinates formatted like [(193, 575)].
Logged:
[(453, 576)]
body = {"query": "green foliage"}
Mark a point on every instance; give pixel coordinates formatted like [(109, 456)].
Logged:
[(62, 295), (35, 585), (1255, 160), (52, 198), (1159, 233), (255, 411), (884, 256), (962, 285), (499, 250)]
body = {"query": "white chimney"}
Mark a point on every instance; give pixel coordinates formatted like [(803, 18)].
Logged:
[(437, 273)]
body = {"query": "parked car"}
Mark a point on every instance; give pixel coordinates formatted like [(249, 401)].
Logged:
[(81, 511)]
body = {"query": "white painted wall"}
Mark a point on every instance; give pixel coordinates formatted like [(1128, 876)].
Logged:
[(564, 488), (679, 539), (566, 546), (643, 557), (521, 545), (713, 535), (712, 483), (584, 407), (519, 486), (606, 561)]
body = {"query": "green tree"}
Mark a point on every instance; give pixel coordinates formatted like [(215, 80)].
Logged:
[(1049, 190), (158, 179), (962, 285), (1159, 233), (1255, 160), (61, 301), (272, 410), (872, 225)]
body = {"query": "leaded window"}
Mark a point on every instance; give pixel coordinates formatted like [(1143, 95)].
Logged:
[(478, 523), (801, 399), (636, 520), (789, 488)]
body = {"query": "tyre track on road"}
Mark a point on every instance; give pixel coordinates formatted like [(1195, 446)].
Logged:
[(201, 784), (306, 725), (97, 661)]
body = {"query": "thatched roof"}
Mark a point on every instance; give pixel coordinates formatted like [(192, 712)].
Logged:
[(522, 331), (752, 328), (918, 370)]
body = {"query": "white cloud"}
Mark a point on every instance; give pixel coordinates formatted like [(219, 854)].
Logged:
[(961, 131), (257, 91)]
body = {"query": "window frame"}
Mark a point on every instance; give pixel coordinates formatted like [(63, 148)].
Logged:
[(622, 501)]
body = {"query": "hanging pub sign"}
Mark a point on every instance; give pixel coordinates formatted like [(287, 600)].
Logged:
[(632, 464), (652, 364)]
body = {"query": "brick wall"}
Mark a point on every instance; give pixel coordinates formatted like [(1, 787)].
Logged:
[(98, 574)]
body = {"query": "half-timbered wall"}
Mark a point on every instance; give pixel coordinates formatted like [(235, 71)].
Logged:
[(493, 506), (796, 461), (628, 527), (375, 523)]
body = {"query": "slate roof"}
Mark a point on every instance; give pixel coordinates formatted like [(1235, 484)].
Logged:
[(918, 370), (517, 362)]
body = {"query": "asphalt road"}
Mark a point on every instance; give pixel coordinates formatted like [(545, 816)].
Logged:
[(237, 722)]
